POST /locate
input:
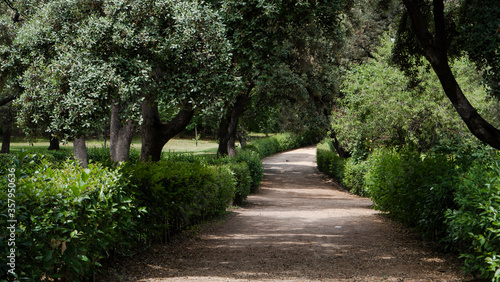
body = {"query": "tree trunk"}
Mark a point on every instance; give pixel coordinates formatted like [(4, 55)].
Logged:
[(80, 151), (120, 136), (242, 137), (8, 99), (336, 144), (155, 134), (436, 48), (54, 143), (229, 125), (7, 131)]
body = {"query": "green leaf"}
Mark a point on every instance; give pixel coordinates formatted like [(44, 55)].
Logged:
[(83, 258)]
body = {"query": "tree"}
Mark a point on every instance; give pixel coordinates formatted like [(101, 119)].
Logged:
[(381, 107), (264, 34), (434, 30), (96, 59), (9, 21)]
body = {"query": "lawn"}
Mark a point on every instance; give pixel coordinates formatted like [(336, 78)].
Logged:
[(174, 145)]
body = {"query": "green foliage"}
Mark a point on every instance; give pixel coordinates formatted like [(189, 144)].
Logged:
[(414, 189), (329, 162), (243, 181), (354, 176), (278, 143), (75, 57), (475, 225), (247, 170), (67, 219), (382, 108), (102, 156), (478, 36), (256, 172), (178, 193)]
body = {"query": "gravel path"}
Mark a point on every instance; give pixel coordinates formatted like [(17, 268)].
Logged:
[(300, 227)]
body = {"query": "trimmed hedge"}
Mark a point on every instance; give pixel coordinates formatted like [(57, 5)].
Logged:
[(414, 189), (329, 162), (70, 218), (278, 143), (67, 219), (178, 193), (474, 226), (445, 195)]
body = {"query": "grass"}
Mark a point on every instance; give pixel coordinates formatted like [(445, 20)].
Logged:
[(177, 145), (174, 145)]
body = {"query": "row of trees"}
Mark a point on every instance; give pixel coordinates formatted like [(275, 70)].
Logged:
[(152, 65)]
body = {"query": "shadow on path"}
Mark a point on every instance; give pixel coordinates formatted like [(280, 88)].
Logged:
[(298, 228)]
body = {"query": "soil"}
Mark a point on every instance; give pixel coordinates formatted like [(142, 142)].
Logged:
[(299, 227)]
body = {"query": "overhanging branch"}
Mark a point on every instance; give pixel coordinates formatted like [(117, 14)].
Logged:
[(8, 99)]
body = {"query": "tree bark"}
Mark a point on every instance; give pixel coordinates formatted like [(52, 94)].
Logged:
[(80, 151), (436, 48), (155, 134), (336, 144), (229, 125), (54, 143), (120, 136), (7, 132), (8, 99)]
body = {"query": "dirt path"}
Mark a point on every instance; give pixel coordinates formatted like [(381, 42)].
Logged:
[(300, 227)]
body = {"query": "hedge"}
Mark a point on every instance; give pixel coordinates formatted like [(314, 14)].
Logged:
[(178, 193), (70, 218), (450, 197)]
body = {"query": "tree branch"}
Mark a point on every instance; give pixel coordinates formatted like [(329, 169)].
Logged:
[(419, 23), (440, 26), (7, 100), (436, 54), (11, 6)]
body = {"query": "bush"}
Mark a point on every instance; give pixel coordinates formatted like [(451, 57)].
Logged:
[(255, 168), (474, 225), (67, 219), (354, 176), (415, 190), (178, 193), (278, 143), (330, 163), (243, 181)]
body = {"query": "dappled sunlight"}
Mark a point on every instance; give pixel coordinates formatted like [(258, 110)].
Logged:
[(299, 228)]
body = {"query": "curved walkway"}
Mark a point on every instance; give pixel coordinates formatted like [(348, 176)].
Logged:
[(300, 227)]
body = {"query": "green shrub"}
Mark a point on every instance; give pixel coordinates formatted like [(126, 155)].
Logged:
[(178, 193), (474, 225), (329, 162), (102, 155), (53, 156), (68, 219), (278, 143), (264, 147), (354, 176), (255, 168), (5, 163), (243, 181), (414, 189), (241, 171)]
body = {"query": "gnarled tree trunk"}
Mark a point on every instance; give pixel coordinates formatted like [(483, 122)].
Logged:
[(336, 144), (7, 131), (54, 143), (155, 134), (229, 125), (120, 136), (80, 151)]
